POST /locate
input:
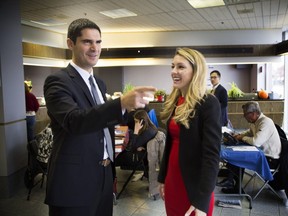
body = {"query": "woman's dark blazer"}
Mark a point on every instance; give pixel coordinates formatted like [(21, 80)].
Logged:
[(74, 175), (199, 151), (141, 140)]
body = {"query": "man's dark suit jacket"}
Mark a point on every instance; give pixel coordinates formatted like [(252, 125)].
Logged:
[(221, 93), (75, 176)]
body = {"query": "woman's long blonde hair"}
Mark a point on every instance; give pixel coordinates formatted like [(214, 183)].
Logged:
[(195, 93)]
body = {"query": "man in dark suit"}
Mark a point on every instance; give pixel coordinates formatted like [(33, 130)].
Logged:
[(220, 92), (80, 180)]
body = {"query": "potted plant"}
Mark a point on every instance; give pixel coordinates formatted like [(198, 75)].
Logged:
[(160, 95), (128, 87), (234, 92)]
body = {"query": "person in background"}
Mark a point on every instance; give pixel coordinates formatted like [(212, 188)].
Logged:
[(32, 107), (130, 117), (190, 162), (221, 94), (144, 131), (262, 134), (80, 178)]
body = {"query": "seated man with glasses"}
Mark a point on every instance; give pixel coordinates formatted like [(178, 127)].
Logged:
[(262, 134)]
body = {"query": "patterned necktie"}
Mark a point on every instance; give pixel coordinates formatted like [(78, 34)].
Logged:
[(106, 130)]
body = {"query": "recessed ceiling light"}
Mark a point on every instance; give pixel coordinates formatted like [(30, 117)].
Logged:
[(245, 11), (118, 13), (48, 22), (205, 3)]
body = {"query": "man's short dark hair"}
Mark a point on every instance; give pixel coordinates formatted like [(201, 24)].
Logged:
[(75, 28), (217, 72)]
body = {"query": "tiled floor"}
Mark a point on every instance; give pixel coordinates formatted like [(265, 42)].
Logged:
[(135, 202)]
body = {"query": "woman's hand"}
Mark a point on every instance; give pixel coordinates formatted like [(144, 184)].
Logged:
[(197, 212), (161, 190), (140, 149), (138, 126)]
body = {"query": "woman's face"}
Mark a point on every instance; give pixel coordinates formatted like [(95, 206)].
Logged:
[(182, 73), (136, 120)]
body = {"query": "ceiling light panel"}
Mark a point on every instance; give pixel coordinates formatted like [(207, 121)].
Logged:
[(205, 3), (118, 13)]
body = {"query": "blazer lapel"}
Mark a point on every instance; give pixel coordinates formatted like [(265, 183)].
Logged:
[(75, 76)]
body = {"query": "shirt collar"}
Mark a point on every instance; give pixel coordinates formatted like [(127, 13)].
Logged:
[(260, 116), (214, 87), (83, 73)]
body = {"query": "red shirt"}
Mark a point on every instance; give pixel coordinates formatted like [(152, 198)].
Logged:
[(31, 102)]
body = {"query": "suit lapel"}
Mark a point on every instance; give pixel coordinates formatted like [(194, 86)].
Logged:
[(77, 79)]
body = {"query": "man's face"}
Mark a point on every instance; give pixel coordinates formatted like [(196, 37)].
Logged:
[(87, 49), (251, 117), (215, 79)]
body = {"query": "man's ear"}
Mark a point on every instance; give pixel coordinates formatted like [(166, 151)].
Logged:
[(70, 43)]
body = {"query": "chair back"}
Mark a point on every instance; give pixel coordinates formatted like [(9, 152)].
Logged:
[(281, 132), (280, 179), (155, 150)]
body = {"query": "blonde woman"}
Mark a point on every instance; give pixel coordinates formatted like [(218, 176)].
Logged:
[(189, 166)]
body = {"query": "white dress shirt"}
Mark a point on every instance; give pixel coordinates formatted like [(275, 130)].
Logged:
[(85, 76)]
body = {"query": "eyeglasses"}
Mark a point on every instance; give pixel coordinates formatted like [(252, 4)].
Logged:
[(213, 77), (247, 113)]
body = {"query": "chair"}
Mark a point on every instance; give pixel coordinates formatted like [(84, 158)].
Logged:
[(155, 149), (38, 153), (280, 131), (266, 182), (280, 179), (275, 173), (137, 165)]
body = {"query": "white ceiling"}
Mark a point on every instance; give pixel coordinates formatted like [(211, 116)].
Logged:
[(158, 15)]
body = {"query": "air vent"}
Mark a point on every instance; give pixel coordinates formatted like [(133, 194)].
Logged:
[(245, 11), (234, 2)]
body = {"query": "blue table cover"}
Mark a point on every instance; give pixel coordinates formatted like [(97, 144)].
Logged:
[(252, 160)]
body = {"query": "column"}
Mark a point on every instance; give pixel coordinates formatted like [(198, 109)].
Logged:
[(13, 140)]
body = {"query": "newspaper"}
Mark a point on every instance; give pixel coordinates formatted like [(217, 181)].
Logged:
[(229, 203)]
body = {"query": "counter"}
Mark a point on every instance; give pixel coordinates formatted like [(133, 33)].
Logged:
[(274, 109)]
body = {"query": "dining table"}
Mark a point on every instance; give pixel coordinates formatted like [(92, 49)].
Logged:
[(249, 157), (121, 138)]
